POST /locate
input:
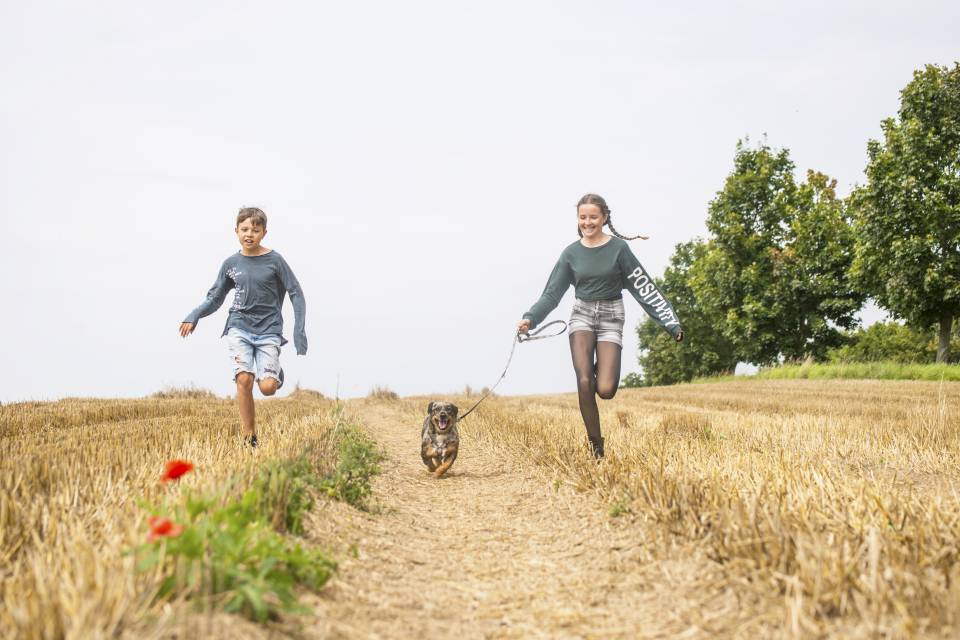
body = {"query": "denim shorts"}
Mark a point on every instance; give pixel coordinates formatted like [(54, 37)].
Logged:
[(604, 317), (256, 354)]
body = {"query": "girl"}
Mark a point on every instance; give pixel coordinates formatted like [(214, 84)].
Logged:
[(599, 266)]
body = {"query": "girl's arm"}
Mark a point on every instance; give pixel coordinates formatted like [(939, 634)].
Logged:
[(557, 284), (292, 286), (642, 287), (215, 297)]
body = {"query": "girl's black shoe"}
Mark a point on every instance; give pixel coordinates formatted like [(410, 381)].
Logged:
[(597, 446), (252, 441)]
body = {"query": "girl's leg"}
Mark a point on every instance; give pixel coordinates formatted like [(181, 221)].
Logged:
[(582, 348), (608, 368)]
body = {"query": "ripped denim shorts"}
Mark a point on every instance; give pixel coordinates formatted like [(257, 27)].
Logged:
[(256, 354)]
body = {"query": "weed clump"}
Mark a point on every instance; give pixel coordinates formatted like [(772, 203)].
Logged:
[(232, 552), (358, 460), (382, 393), (184, 393)]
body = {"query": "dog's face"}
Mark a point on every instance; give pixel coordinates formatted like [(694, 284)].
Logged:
[(443, 415)]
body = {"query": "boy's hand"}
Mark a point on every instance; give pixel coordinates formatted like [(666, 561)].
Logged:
[(523, 326), (186, 328)]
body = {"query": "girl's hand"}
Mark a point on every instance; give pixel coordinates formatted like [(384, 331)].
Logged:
[(186, 328), (523, 326), (680, 336)]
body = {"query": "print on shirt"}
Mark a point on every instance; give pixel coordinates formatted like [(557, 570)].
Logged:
[(234, 274), (649, 294)]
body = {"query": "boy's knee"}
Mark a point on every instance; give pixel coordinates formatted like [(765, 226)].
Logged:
[(245, 381), (268, 386)]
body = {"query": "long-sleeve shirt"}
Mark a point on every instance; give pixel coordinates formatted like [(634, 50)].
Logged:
[(259, 284), (602, 273)]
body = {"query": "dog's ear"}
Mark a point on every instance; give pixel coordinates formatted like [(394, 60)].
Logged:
[(454, 410), (430, 407)]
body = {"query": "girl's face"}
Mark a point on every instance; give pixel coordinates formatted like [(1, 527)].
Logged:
[(591, 220)]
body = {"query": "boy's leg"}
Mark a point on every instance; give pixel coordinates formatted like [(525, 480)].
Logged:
[(245, 403), (267, 355), (243, 361)]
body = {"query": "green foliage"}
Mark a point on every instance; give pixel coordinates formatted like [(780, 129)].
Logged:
[(704, 350), (281, 493), (232, 552), (358, 460), (229, 554), (631, 381), (908, 213), (774, 277), (890, 341), (863, 370)]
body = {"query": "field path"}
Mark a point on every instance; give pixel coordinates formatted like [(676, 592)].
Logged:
[(490, 551)]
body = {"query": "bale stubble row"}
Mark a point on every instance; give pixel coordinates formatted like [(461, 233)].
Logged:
[(833, 503)]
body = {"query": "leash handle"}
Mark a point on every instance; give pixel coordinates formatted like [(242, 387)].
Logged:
[(534, 335)]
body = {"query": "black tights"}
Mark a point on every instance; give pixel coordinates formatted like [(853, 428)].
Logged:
[(597, 365)]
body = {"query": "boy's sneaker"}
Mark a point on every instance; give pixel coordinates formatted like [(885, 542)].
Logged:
[(252, 441)]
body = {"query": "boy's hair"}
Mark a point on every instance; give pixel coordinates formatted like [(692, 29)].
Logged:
[(255, 215)]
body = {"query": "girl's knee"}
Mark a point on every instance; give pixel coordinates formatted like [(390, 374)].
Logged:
[(586, 383), (606, 392)]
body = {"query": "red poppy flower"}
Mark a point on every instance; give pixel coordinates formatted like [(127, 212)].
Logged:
[(162, 528), (175, 469)]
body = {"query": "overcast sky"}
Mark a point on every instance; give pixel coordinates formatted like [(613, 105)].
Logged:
[(419, 163)]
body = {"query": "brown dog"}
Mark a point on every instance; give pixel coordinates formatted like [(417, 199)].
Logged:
[(439, 439)]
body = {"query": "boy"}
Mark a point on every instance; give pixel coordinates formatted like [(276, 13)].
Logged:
[(254, 328)]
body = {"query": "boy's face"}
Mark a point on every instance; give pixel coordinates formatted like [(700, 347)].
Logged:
[(250, 235)]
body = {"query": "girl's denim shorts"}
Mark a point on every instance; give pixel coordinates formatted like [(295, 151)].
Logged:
[(603, 317)]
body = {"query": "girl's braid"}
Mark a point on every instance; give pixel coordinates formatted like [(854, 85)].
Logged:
[(592, 198), (617, 233)]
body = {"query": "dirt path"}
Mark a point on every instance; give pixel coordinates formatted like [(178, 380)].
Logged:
[(490, 551)]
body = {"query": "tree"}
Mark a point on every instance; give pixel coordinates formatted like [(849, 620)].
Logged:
[(885, 341), (908, 212), (704, 350), (777, 271)]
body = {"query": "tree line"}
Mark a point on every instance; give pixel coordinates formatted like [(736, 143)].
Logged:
[(788, 264)]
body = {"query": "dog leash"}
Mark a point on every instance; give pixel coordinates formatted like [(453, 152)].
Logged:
[(518, 338)]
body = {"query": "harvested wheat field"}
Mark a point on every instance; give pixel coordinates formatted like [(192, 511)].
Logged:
[(733, 509)]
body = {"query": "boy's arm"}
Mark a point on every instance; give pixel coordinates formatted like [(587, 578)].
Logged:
[(215, 297), (292, 286), (642, 287)]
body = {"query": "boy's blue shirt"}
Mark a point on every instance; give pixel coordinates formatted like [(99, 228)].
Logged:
[(259, 283)]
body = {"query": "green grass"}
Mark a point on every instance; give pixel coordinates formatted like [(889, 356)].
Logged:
[(862, 370)]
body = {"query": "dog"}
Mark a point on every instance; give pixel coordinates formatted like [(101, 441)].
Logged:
[(439, 439)]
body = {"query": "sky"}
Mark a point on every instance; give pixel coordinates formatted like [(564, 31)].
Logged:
[(419, 162)]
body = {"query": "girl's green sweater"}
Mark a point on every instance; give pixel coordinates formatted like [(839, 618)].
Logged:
[(602, 273)]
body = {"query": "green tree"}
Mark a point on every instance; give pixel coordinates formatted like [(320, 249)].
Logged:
[(908, 212), (777, 270), (889, 341), (704, 350)]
